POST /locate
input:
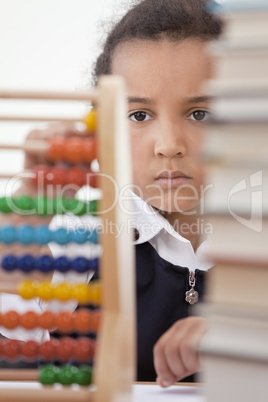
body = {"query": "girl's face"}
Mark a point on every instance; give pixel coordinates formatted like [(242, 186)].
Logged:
[(166, 111)]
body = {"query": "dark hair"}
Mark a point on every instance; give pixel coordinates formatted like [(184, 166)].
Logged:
[(158, 19)]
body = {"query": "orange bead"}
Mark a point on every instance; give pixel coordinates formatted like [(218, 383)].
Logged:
[(82, 321), (89, 152), (56, 149), (65, 348), (73, 150), (28, 320), (58, 176), (84, 350), (47, 350), (11, 349), (64, 322), (77, 176), (29, 350), (96, 318), (47, 320), (10, 319)]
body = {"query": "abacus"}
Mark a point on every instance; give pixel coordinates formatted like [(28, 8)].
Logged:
[(115, 347)]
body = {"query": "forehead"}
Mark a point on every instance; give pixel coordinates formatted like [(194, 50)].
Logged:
[(163, 65)]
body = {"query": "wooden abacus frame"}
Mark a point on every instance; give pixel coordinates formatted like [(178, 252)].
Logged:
[(115, 361)]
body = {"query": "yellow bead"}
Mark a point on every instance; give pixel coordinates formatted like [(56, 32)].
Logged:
[(45, 291), (27, 289), (96, 294), (63, 291), (80, 293), (90, 120)]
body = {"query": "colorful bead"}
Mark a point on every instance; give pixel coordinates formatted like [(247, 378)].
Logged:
[(42, 235), (7, 234), (45, 291), (24, 234), (6, 205), (26, 263), (92, 237), (78, 236), (11, 349), (63, 291), (60, 236), (82, 321), (48, 375), (45, 263), (84, 376), (24, 204), (73, 150), (89, 152), (84, 350), (65, 348), (77, 176), (80, 264), (9, 263), (81, 293), (56, 149), (10, 319), (29, 350), (27, 290), (67, 374), (64, 322), (47, 349), (90, 120), (47, 320), (62, 264), (28, 320)]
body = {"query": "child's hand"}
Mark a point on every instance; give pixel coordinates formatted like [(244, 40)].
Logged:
[(175, 353)]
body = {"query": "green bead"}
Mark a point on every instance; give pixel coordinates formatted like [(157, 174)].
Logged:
[(83, 376), (93, 207), (69, 204), (24, 203), (67, 375), (81, 208), (40, 205), (6, 205), (48, 375)]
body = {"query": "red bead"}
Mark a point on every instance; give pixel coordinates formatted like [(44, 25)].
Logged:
[(77, 176), (73, 150), (58, 176), (47, 320), (56, 149), (40, 179), (29, 350), (82, 321), (10, 319), (96, 317), (84, 350), (28, 320), (65, 348), (93, 180), (48, 349), (11, 349), (89, 150), (64, 322)]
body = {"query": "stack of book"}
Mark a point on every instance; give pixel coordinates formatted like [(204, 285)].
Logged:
[(235, 349)]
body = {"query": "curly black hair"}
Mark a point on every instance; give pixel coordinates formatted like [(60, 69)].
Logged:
[(158, 19)]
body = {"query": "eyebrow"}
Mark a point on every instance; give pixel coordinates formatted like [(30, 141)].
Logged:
[(135, 99), (199, 99)]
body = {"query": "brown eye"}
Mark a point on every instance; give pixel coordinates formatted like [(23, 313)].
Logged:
[(139, 116), (200, 115)]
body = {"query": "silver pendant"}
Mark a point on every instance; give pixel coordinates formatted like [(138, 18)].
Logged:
[(191, 296)]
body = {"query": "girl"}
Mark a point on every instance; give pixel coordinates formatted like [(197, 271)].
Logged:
[(159, 48)]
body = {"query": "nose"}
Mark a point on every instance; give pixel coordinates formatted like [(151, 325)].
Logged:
[(171, 141)]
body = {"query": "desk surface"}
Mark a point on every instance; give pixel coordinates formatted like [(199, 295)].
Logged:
[(141, 392)]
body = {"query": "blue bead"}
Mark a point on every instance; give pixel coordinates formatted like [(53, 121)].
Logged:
[(9, 262), (92, 237), (62, 264), (80, 264), (42, 235), (78, 236), (24, 234), (45, 263), (60, 236), (94, 265), (26, 263), (7, 234)]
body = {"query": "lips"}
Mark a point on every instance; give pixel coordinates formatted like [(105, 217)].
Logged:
[(172, 179)]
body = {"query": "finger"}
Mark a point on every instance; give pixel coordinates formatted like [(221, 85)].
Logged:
[(165, 376)]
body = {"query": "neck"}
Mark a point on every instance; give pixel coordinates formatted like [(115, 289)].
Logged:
[(186, 225)]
